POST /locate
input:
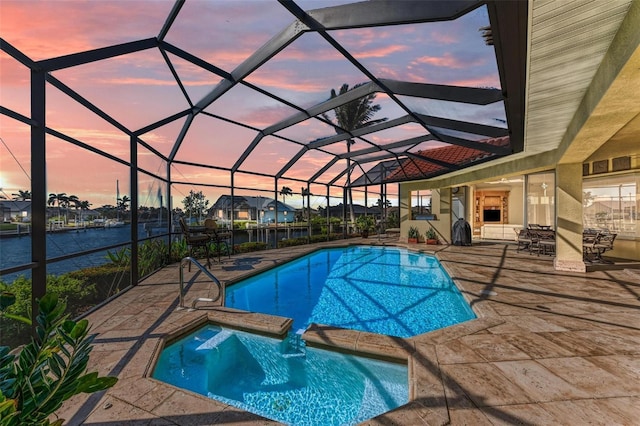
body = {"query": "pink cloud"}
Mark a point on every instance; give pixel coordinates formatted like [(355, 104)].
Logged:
[(137, 81), (442, 37), (288, 80), (15, 137), (265, 116), (447, 60), (323, 54), (13, 73), (76, 26), (480, 81), (381, 52), (389, 72), (363, 37)]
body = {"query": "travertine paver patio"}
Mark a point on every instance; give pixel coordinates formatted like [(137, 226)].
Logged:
[(548, 347)]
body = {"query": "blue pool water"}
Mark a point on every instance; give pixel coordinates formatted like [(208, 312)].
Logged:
[(283, 380), (383, 290)]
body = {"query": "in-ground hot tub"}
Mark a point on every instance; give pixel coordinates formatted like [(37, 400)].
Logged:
[(283, 379)]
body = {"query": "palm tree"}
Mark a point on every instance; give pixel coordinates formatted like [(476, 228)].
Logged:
[(284, 192), (64, 203), (75, 201), (383, 206), (22, 195), (353, 115), (305, 193), (123, 203), (84, 206), (60, 199)]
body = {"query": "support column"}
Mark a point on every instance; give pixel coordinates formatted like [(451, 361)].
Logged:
[(569, 218), (404, 207), (133, 185), (39, 192)]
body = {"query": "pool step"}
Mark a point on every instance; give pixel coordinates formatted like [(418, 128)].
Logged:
[(215, 341), (293, 346)]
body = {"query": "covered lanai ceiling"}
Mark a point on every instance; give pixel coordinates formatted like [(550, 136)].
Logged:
[(222, 110)]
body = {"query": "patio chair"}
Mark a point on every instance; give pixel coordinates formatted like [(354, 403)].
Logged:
[(523, 239), (589, 240), (195, 241), (603, 243), (546, 242), (217, 236)]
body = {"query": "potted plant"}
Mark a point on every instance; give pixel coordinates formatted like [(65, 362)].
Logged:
[(365, 224), (431, 236), (413, 234)]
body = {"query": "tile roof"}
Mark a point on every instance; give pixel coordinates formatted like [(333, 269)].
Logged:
[(413, 168)]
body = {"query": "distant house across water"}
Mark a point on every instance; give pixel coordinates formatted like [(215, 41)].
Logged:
[(12, 209), (257, 209)]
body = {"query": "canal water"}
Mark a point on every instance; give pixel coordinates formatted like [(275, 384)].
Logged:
[(15, 251)]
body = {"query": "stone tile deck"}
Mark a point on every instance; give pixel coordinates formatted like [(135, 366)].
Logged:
[(548, 347)]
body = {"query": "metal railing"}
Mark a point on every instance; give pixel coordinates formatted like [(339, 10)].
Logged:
[(184, 262)]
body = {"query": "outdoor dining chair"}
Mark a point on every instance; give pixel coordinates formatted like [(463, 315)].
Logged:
[(523, 239), (217, 236), (603, 243), (195, 241)]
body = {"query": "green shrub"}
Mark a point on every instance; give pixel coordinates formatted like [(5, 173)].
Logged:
[(120, 257), (49, 370), (293, 242), (249, 247), (179, 250), (152, 255), (414, 232), (77, 293), (430, 234), (365, 223), (106, 280)]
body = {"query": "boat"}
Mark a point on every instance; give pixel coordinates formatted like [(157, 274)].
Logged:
[(113, 223)]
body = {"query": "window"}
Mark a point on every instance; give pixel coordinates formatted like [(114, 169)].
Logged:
[(541, 199), (611, 203), (420, 203)]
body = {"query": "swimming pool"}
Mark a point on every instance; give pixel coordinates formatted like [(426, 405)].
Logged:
[(385, 290), (282, 380)]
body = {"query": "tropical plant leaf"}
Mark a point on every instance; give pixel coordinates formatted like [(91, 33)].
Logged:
[(66, 337), (48, 370), (48, 302), (8, 410), (56, 364), (15, 317), (80, 329)]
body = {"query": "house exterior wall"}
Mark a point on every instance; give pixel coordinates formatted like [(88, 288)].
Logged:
[(440, 206)]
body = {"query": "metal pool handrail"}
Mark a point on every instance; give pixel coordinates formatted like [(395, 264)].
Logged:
[(184, 262)]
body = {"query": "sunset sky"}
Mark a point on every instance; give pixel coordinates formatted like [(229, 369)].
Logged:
[(139, 89)]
